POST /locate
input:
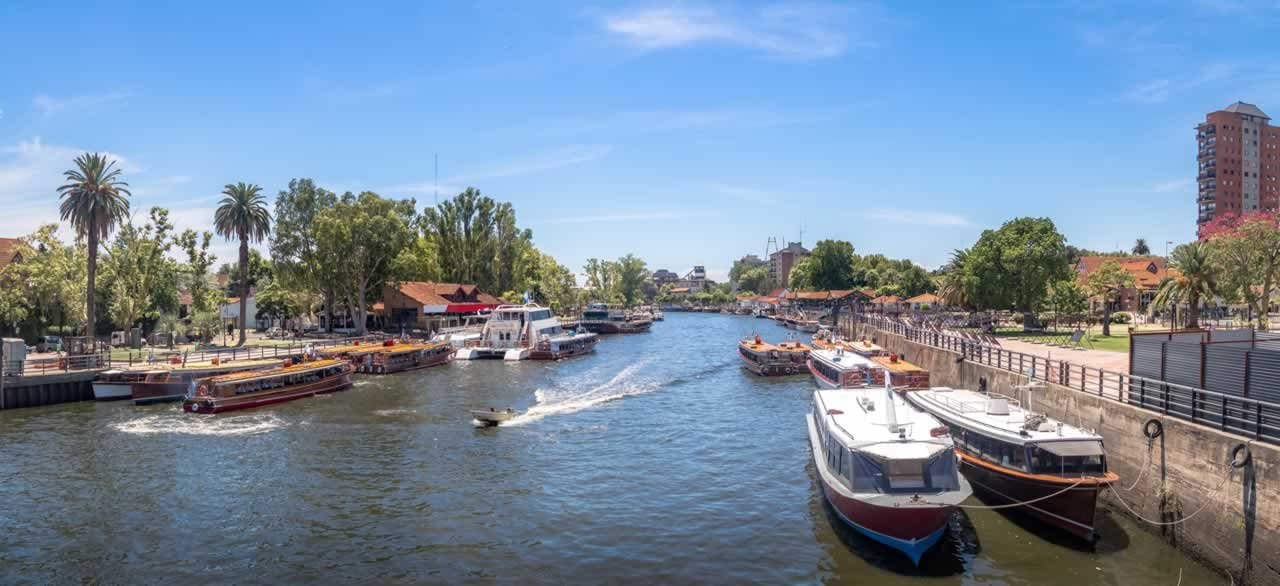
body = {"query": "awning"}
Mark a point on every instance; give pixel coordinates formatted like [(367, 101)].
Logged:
[(1073, 448), (458, 308)]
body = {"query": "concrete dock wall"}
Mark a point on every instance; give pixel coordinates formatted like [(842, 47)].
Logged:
[(1238, 530), (47, 389)]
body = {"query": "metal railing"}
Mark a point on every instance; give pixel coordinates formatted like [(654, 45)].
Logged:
[(1244, 416)]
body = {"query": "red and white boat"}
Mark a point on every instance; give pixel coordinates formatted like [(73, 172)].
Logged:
[(1014, 455), (889, 470), (167, 383), (245, 390)]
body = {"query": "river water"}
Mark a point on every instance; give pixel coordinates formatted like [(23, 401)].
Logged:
[(657, 459)]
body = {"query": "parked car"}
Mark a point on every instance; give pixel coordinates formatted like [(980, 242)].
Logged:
[(48, 343), (275, 332)]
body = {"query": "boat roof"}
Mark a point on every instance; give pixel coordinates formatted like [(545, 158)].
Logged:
[(861, 416), (283, 370), (899, 366), (842, 361), (789, 346), (995, 415), (527, 307)]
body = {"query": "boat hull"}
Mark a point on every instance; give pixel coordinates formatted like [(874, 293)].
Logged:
[(564, 350), (1072, 511), (404, 365), (108, 391), (615, 327), (912, 530), (144, 393), (780, 368), (249, 401)]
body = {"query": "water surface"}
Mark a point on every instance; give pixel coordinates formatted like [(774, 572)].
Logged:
[(657, 459)]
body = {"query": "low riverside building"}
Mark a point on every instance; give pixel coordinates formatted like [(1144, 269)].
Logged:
[(887, 304), (10, 252), (924, 301), (1147, 272), (826, 300), (431, 306)]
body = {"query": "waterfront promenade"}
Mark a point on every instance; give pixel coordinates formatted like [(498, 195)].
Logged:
[(1103, 359)]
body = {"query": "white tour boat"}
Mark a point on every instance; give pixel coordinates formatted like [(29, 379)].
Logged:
[(522, 332)]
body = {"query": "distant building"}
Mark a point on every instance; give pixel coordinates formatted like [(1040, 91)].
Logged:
[(925, 301), (781, 262), (230, 311), (1239, 163), (431, 306), (9, 252), (695, 280), (662, 277), (1147, 272)]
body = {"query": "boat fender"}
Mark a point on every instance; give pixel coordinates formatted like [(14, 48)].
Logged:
[(202, 391), (195, 407), (1240, 456), (1153, 429)]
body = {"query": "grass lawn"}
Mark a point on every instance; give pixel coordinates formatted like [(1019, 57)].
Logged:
[(1117, 342)]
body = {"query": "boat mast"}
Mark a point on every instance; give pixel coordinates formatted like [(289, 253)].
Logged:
[(890, 412)]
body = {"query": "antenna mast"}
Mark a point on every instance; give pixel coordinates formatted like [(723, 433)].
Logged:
[(436, 179)]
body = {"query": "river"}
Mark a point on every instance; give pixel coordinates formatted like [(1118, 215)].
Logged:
[(657, 459)]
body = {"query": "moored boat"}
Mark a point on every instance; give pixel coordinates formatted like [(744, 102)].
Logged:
[(841, 369), (517, 332), (245, 390), (888, 470), (168, 383), (612, 319), (401, 356), (116, 384), (767, 359), (1014, 455)]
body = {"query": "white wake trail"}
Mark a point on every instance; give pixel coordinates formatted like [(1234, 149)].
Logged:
[(183, 424), (561, 401)]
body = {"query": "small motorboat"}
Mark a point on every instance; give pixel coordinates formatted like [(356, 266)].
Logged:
[(492, 417)]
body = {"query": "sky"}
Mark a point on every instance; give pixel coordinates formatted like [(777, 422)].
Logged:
[(688, 133)]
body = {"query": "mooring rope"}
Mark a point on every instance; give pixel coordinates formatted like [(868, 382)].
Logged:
[(1014, 504), (1147, 464), (1203, 506)]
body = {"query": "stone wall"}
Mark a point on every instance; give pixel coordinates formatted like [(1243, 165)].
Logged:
[(1238, 531)]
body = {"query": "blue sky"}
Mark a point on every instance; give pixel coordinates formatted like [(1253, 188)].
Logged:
[(685, 132)]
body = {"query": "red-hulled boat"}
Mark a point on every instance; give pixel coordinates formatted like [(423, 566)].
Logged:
[(888, 470), (399, 357), (246, 390), (1014, 455), (175, 382)]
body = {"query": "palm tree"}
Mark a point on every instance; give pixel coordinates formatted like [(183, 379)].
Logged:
[(95, 201), (1140, 247), (951, 285), (1194, 282), (242, 215)]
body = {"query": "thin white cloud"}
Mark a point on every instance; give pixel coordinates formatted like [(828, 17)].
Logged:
[(630, 217), (750, 194), (49, 105), (916, 218), (1166, 186), (1157, 91), (536, 163), (786, 31), (1151, 92)]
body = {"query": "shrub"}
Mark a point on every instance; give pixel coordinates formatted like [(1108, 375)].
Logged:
[(1121, 317)]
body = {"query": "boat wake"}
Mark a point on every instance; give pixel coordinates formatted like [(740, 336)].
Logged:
[(564, 400), (394, 412), (205, 425)]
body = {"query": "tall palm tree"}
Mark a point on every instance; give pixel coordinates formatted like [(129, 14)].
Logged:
[(952, 287), (95, 201), (1194, 282), (242, 215), (1140, 247)]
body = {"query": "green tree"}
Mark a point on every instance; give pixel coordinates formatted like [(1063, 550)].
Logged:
[(1194, 282), (261, 271), (954, 284), (602, 276), (142, 277), (205, 296), (755, 279), (552, 284), (802, 275), (1140, 247), (243, 215), (1107, 283), (476, 240), (632, 274), (52, 277), (1245, 251), (1067, 297), (831, 265), (94, 200), (295, 251), (364, 235), (1012, 267)]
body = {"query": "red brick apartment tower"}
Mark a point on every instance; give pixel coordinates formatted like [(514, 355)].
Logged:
[(1239, 160)]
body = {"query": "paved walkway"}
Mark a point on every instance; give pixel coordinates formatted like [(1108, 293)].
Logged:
[(1114, 361)]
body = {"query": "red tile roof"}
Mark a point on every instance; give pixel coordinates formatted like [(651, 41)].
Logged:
[(886, 299), (427, 293), (1141, 267), (8, 250), (925, 298)]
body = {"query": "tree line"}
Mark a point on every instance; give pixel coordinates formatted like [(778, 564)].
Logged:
[(325, 250)]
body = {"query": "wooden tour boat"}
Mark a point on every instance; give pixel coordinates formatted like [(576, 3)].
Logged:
[(766, 359), (825, 339), (888, 470), (840, 369), (117, 384), (245, 390), (399, 357), (167, 383), (1014, 455)]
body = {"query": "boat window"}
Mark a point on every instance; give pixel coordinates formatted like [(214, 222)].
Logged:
[(1044, 461)]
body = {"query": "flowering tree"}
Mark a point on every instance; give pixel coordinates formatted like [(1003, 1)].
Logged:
[(1246, 251)]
